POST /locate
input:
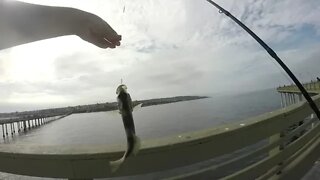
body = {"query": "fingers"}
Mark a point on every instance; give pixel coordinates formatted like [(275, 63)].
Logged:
[(97, 31), (111, 35), (114, 40), (103, 42)]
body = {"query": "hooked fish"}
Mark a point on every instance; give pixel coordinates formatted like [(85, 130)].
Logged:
[(125, 108)]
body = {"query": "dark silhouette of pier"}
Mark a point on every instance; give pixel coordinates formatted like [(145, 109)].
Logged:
[(14, 122), (23, 123)]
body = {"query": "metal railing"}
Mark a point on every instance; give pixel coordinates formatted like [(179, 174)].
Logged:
[(312, 87)]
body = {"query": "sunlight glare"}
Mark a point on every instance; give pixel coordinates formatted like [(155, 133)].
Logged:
[(28, 63)]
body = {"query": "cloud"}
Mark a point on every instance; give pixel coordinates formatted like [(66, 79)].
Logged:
[(169, 48)]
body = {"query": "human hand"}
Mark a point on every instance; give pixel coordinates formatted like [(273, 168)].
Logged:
[(95, 30), (24, 23)]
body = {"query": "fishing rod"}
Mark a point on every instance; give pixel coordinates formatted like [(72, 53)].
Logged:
[(274, 55)]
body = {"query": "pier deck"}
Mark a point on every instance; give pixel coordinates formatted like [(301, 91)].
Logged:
[(312, 87)]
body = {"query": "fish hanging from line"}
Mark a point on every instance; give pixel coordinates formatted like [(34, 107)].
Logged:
[(133, 142)]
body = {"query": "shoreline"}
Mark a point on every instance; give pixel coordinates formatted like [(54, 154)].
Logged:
[(99, 107)]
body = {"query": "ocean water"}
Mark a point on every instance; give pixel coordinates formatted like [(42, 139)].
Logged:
[(152, 121)]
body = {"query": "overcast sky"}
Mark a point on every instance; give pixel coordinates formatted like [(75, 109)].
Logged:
[(169, 48)]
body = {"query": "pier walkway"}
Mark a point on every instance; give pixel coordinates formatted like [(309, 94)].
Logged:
[(312, 87)]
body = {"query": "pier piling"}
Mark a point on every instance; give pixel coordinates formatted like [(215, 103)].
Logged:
[(6, 129), (24, 125), (11, 129), (3, 132)]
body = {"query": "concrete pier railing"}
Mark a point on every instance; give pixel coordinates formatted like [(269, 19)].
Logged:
[(290, 145), (313, 87)]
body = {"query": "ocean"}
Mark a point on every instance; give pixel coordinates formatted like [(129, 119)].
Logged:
[(151, 122)]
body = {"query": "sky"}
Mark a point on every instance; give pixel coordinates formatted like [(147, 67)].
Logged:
[(168, 48)]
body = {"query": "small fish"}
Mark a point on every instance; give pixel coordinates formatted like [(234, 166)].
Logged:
[(133, 142)]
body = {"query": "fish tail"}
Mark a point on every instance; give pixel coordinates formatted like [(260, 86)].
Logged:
[(137, 144), (114, 165)]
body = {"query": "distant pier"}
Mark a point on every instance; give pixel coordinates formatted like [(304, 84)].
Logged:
[(290, 94), (16, 122), (13, 125)]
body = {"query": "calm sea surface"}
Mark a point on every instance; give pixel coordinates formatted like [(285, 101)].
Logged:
[(153, 121)]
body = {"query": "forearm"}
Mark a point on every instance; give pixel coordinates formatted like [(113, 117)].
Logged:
[(23, 23)]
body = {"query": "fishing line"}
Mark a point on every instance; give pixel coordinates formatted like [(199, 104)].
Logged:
[(124, 6), (272, 54), (281, 71), (233, 7)]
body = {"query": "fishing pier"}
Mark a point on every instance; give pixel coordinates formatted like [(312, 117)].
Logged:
[(290, 94), (12, 125)]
